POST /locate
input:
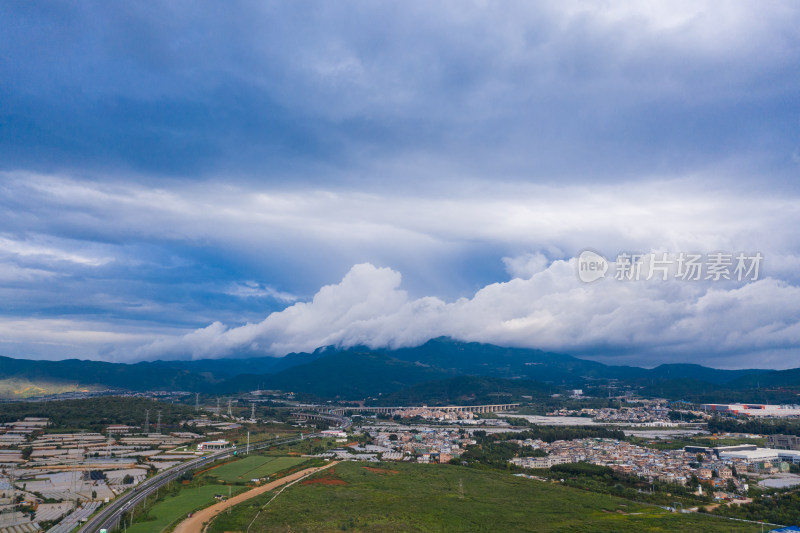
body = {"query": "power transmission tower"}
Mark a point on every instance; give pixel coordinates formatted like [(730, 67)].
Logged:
[(230, 414), (252, 411), (147, 420), (197, 401), (158, 425)]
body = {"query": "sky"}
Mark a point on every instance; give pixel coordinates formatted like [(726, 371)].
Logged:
[(190, 180)]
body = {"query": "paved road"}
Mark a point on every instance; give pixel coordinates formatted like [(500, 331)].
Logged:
[(109, 516)]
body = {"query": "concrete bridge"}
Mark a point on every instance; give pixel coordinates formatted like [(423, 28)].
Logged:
[(490, 408), (334, 418)]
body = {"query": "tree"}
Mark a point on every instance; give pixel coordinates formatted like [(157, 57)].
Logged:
[(700, 457), (127, 480), (393, 437), (731, 486)]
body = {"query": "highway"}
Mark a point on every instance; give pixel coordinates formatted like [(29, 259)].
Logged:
[(109, 516)]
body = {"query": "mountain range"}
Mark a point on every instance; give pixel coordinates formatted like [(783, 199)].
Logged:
[(438, 365)]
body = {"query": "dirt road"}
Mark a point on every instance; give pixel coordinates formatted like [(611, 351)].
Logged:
[(196, 523)]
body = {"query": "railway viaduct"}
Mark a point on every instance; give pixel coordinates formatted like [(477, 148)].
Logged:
[(490, 408)]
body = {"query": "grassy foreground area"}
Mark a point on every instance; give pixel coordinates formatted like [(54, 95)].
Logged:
[(183, 500), (410, 497), (176, 507), (253, 467)]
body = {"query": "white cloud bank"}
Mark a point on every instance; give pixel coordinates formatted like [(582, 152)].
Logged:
[(278, 245), (552, 309)]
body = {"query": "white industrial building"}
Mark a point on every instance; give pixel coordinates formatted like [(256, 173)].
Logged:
[(789, 455), (750, 456), (758, 455), (214, 445)]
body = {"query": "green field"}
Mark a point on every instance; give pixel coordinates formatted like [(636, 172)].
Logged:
[(452, 498), (172, 508), (253, 467)]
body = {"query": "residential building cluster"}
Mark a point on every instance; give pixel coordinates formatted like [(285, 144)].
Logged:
[(663, 465), (647, 415), (432, 413), (393, 442), (650, 415), (675, 466)]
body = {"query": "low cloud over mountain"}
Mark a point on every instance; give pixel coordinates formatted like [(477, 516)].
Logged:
[(673, 321)]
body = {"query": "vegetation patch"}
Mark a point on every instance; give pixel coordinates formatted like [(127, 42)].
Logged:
[(212, 467), (453, 498), (94, 414), (253, 467), (329, 477), (176, 506), (775, 508), (385, 471), (680, 443), (325, 481)]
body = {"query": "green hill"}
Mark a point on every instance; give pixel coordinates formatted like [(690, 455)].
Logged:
[(467, 390), (98, 374), (349, 375)]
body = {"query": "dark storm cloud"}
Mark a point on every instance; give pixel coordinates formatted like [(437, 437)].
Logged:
[(277, 90)]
